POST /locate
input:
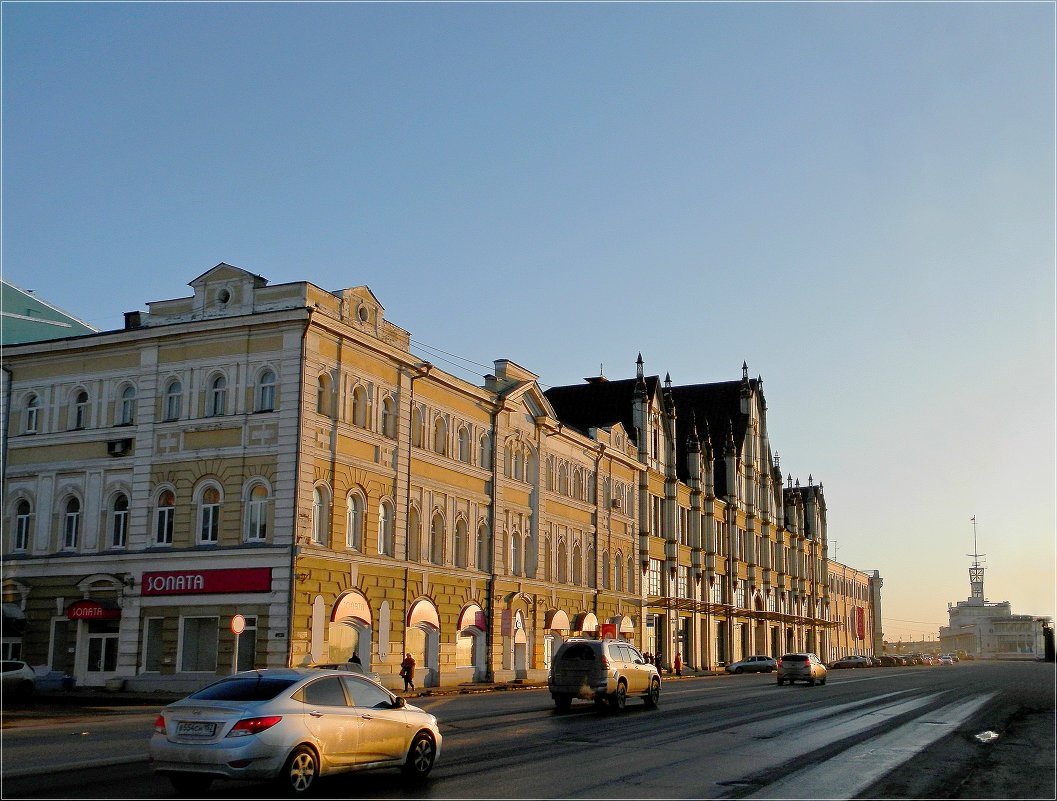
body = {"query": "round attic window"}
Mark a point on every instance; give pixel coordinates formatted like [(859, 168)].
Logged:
[(223, 296), (363, 314)]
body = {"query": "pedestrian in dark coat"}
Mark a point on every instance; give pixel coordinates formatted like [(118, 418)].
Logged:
[(678, 664), (407, 672)]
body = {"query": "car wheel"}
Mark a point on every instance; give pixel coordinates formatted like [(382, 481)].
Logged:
[(420, 757), (563, 702), (739, 670), (618, 699), (822, 680), (190, 784), (653, 697), (300, 771), (781, 681), (811, 682)]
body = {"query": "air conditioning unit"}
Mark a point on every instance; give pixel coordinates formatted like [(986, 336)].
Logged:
[(616, 503), (119, 447)]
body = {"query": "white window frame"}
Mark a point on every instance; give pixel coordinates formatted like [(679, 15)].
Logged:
[(218, 396), (266, 391), (31, 421), (71, 524), (208, 515), (23, 527), (173, 400), (355, 516), (127, 412), (119, 521), (257, 512)]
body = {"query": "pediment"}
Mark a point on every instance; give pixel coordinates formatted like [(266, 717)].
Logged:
[(225, 273)]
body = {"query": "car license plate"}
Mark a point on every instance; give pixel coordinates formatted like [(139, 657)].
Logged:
[(188, 728)]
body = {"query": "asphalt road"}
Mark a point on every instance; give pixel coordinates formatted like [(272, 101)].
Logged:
[(874, 733)]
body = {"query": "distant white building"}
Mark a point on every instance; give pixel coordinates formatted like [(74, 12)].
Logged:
[(987, 630)]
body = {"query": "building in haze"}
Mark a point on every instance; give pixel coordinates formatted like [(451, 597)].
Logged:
[(277, 451)]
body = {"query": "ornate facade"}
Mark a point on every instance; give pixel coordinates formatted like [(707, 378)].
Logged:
[(278, 452)]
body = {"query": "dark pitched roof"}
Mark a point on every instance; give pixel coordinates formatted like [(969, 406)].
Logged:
[(715, 409), (598, 404)]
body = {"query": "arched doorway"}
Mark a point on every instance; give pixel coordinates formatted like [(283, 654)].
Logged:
[(350, 629), (520, 647), (423, 642), (556, 628), (471, 647)]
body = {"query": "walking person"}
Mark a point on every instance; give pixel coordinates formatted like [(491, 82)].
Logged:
[(407, 672), (678, 664)]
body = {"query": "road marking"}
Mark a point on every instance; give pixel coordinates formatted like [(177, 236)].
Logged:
[(851, 771)]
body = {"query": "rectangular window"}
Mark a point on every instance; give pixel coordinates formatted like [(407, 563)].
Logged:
[(198, 644), (683, 582), (22, 531), (164, 525), (152, 645), (209, 530), (119, 528), (70, 527), (739, 594), (248, 645), (655, 577)]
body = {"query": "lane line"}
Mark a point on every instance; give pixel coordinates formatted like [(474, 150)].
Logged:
[(848, 773)]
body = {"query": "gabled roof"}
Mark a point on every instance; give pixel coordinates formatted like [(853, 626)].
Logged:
[(599, 404)]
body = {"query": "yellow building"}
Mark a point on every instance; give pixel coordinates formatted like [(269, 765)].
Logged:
[(856, 609), (278, 452)]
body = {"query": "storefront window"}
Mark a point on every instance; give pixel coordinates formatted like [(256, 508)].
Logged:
[(152, 645), (198, 649), (102, 646)]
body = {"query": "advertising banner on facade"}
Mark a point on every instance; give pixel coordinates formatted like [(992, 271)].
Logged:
[(198, 582), (860, 623)]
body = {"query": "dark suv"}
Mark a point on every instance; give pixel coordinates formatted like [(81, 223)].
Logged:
[(602, 670)]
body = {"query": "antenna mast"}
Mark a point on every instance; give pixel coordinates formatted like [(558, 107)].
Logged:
[(976, 571)]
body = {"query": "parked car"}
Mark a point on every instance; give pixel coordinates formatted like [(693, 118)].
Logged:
[(290, 725), (351, 667), (851, 662), (602, 671), (753, 664), (804, 667), (17, 679), (887, 660)]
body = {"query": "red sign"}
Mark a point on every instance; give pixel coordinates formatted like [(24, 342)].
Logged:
[(198, 582), (607, 630), (860, 623), (92, 610)]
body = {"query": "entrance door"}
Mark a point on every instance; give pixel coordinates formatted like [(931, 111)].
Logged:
[(520, 654), (102, 651)]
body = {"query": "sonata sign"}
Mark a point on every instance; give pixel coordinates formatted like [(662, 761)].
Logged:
[(92, 610), (197, 582)]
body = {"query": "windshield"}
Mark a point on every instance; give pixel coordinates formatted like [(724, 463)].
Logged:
[(245, 688)]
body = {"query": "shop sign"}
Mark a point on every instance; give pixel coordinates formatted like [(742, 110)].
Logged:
[(197, 582), (607, 631), (92, 610)]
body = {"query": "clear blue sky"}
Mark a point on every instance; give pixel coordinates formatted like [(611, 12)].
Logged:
[(857, 199)]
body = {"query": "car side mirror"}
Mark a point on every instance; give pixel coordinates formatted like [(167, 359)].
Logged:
[(399, 703)]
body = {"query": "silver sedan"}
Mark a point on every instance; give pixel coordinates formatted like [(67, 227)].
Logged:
[(292, 726)]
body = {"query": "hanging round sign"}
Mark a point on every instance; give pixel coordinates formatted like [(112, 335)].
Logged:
[(238, 624)]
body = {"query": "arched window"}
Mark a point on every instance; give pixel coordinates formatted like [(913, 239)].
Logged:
[(460, 543), (631, 575), (127, 415), (464, 444), (257, 514), (354, 518), (618, 572), (436, 540), (530, 466), (563, 563), (416, 427), (119, 521), (388, 417), (320, 515), (563, 479), (71, 524), (80, 410), (23, 522), (324, 396), (589, 567), (266, 392), (515, 553), (386, 519), (173, 398), (440, 436), (218, 396), (414, 536), (605, 570), (519, 465), (484, 548), (578, 484), (578, 565), (548, 561), (31, 420), (164, 515), (359, 406), (209, 515), (484, 457)]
